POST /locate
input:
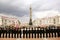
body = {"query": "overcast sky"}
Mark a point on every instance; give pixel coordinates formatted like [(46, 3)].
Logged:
[(20, 8)]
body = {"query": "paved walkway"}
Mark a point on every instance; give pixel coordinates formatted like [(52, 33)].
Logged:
[(30, 39)]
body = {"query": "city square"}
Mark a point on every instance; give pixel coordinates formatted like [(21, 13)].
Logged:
[(29, 20)]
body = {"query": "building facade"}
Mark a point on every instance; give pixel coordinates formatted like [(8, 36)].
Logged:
[(55, 20), (9, 21)]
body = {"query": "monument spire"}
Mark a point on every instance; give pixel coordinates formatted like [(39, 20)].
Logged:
[(30, 22)]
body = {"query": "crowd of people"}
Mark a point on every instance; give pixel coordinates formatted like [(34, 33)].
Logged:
[(29, 32)]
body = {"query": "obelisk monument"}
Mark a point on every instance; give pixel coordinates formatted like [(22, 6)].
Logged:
[(30, 21)]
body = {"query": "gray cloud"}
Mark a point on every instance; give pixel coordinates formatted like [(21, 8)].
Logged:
[(13, 10), (21, 7), (44, 5)]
